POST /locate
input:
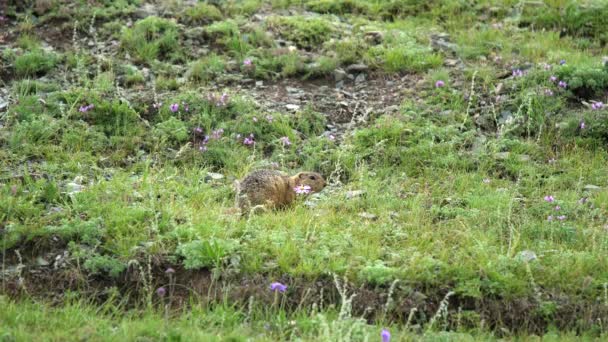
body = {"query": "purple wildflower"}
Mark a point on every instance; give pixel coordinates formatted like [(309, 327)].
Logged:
[(276, 286), (561, 217), (550, 218), (161, 291), (548, 92), (331, 137), (223, 101), (518, 73), (597, 105), (205, 140), (170, 271), (557, 207), (269, 118), (202, 148), (386, 335), (439, 84), (249, 140), (217, 134), (562, 84), (582, 125), (285, 141), (553, 78), (247, 62), (302, 189), (198, 130), (549, 198), (174, 107), (562, 62), (84, 109), (157, 105), (186, 107)]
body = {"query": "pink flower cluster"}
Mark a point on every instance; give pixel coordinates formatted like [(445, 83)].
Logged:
[(84, 109)]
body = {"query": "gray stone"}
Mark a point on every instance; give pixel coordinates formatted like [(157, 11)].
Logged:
[(527, 256), (502, 155), (339, 74), (212, 176), (73, 188), (591, 187), (146, 10), (360, 78), (40, 261), (355, 193), (356, 68), (368, 216), (375, 37), (292, 107)]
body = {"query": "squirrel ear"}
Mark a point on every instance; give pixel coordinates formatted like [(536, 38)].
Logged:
[(301, 175)]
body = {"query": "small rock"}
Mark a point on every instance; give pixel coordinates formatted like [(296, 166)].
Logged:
[(356, 68), (339, 75), (591, 187), (502, 155), (73, 188), (505, 116), (368, 216), (524, 158), (147, 10), (451, 62), (360, 78), (391, 109), (259, 83), (375, 37), (247, 81), (354, 193), (292, 107), (212, 176), (527, 256), (41, 262)]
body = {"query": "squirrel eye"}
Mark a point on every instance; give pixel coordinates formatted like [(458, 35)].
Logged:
[(312, 177)]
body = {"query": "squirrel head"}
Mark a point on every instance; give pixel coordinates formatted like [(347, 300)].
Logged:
[(312, 179)]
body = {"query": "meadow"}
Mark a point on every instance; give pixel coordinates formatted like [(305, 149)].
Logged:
[(464, 144)]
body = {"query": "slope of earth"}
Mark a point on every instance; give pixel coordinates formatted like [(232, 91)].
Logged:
[(464, 145)]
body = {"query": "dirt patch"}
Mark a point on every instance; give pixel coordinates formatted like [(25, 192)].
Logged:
[(504, 316), (339, 102)]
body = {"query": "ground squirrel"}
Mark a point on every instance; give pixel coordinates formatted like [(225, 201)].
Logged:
[(274, 189)]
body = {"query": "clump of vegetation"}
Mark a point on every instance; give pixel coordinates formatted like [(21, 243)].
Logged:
[(586, 82), (570, 17), (306, 33), (206, 68), (151, 38), (201, 13), (339, 7), (35, 63), (401, 53)]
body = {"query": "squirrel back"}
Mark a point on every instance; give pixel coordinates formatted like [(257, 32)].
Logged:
[(275, 189)]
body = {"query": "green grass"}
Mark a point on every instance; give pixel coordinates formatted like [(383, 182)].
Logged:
[(98, 164)]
